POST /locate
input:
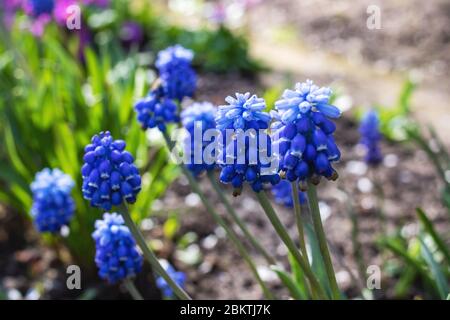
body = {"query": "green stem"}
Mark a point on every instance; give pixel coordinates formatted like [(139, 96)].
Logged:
[(150, 256), (230, 233), (318, 227), (238, 220), (299, 220), (281, 230), (134, 292)]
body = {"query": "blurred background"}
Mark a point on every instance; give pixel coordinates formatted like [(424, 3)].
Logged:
[(61, 86)]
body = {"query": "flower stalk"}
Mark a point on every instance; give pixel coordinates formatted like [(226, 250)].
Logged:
[(238, 220), (318, 227), (134, 292), (283, 234), (230, 233), (299, 220), (149, 255)]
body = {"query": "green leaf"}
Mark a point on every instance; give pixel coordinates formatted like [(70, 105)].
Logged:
[(298, 275), (318, 266), (438, 274), (290, 284), (429, 228)]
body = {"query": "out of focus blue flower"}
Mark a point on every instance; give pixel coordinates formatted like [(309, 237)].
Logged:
[(156, 110), (245, 156), (109, 173), (116, 254), (40, 7), (53, 206), (131, 33), (196, 119), (178, 79), (304, 133), (370, 137), (173, 56), (282, 193), (178, 277)]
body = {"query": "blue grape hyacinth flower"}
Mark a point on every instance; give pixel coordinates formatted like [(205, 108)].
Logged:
[(116, 254), (196, 119), (53, 206), (371, 137), (243, 112), (242, 152), (109, 174), (156, 110), (178, 78), (303, 133), (177, 276), (282, 193), (40, 7)]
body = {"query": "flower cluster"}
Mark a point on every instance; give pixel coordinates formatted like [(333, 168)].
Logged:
[(176, 73), (53, 206), (116, 253), (303, 132), (282, 193), (245, 154), (109, 173), (370, 137), (156, 110), (196, 119), (178, 277)]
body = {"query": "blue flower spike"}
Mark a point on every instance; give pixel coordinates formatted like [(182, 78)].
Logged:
[(109, 174), (303, 133), (241, 155), (178, 277), (116, 256), (53, 205), (156, 110), (175, 72), (198, 117), (371, 137)]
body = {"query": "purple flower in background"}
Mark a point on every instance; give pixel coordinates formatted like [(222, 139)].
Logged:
[(218, 13), (370, 137), (131, 33), (9, 8), (178, 277), (97, 3), (282, 193)]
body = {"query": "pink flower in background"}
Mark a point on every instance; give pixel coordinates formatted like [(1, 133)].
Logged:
[(60, 10), (219, 13), (38, 24), (9, 8)]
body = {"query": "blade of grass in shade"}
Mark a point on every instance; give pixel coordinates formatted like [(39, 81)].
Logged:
[(429, 228), (436, 271), (290, 284)]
